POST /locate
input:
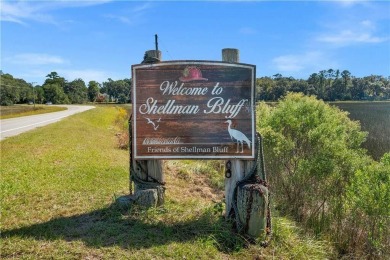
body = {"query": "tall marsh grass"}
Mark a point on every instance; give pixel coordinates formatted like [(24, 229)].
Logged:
[(374, 118), (27, 110)]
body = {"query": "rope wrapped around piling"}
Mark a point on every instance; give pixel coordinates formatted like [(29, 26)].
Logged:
[(256, 175)]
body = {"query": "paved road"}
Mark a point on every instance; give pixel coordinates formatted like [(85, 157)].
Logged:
[(15, 126)]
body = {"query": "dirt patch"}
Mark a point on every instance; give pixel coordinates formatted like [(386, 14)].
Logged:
[(190, 185)]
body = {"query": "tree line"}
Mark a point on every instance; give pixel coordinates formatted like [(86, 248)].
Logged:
[(57, 90), (328, 85)]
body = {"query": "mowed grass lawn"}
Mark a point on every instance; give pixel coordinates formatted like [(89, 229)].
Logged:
[(58, 190)]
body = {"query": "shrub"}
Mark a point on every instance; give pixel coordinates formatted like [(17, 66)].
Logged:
[(369, 210), (312, 153), (313, 150)]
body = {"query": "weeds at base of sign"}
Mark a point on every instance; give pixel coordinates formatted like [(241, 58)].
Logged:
[(122, 128), (190, 170), (122, 140)]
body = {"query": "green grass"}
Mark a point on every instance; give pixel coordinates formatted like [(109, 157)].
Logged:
[(26, 110), (58, 190)]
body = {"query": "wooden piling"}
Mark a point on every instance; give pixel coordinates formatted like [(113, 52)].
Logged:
[(239, 168), (148, 176), (247, 202)]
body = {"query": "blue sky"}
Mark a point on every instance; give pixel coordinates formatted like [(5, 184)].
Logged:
[(97, 40)]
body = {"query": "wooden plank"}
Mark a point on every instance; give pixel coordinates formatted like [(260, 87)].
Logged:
[(192, 101)]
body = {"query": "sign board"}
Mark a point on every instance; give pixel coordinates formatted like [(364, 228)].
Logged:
[(193, 109)]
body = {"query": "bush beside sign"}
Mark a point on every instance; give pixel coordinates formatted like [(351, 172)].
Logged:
[(193, 109)]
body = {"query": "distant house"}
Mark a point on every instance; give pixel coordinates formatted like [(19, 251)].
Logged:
[(102, 97)]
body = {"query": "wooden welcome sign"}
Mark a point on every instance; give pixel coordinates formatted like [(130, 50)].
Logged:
[(193, 109)]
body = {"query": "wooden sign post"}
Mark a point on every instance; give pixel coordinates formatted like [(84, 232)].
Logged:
[(147, 175), (197, 110), (239, 168), (248, 202)]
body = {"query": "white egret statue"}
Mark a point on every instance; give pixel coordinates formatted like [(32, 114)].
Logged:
[(239, 136)]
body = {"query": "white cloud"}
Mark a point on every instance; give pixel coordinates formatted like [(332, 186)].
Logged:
[(38, 74), (349, 3), (291, 63), (133, 17), (121, 18), (141, 8), (368, 24), (20, 11), (35, 59), (30, 75), (347, 37), (35, 67), (361, 32), (298, 63), (247, 31), (23, 11)]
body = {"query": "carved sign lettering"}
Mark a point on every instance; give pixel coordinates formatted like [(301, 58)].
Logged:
[(193, 109)]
